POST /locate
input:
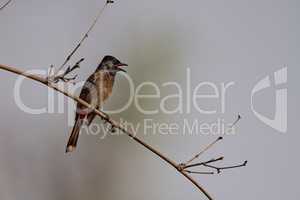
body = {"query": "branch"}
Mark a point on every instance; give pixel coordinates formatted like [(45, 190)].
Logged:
[(85, 36), (63, 77), (203, 151), (236, 121), (186, 165), (6, 4), (114, 124), (208, 165), (202, 173), (203, 163), (219, 169)]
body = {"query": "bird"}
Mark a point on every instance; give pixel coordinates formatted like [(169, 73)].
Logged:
[(95, 91)]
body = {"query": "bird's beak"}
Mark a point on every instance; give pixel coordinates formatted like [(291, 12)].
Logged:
[(118, 67)]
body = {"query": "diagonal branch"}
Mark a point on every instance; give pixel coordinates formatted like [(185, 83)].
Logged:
[(113, 123), (85, 36), (6, 4), (203, 151), (236, 121), (204, 163)]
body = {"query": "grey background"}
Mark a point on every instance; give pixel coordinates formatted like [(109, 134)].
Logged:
[(221, 41)]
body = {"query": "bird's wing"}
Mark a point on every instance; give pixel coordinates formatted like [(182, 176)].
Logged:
[(86, 93)]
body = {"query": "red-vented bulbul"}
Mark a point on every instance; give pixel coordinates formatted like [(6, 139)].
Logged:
[(97, 88)]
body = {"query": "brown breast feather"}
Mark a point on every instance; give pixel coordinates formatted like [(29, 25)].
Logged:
[(104, 83)]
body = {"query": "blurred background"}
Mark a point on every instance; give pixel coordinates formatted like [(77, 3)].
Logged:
[(220, 41)]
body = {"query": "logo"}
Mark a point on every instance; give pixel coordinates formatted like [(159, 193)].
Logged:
[(279, 122), (173, 98)]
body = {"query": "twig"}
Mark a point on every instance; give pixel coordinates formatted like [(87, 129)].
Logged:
[(86, 35), (202, 173), (203, 151), (113, 123), (6, 4), (184, 165), (219, 169), (236, 121), (62, 77), (203, 163), (235, 166), (208, 164)]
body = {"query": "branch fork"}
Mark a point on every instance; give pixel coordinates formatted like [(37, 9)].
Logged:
[(208, 164), (6, 4), (52, 78)]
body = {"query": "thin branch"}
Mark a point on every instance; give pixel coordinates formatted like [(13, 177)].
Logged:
[(203, 151), (6, 4), (208, 165), (236, 166), (236, 121), (203, 163), (219, 169), (63, 77), (201, 173), (86, 35), (186, 164), (113, 123)]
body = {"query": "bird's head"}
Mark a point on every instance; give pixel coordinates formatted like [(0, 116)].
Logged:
[(111, 64)]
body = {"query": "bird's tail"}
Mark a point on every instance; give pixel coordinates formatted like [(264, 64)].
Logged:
[(74, 136)]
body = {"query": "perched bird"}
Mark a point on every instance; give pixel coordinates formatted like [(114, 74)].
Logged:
[(96, 90)]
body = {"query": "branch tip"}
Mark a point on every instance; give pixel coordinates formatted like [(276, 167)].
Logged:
[(237, 120), (6, 4), (204, 150), (85, 36)]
